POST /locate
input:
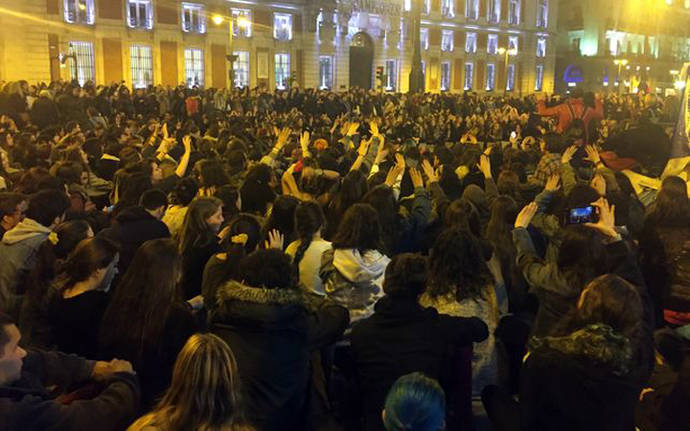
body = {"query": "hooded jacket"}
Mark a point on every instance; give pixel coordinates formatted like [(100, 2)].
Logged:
[(354, 280), (582, 381), (18, 250), (272, 332)]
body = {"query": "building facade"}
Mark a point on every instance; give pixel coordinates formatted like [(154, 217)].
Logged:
[(479, 45), (618, 44)]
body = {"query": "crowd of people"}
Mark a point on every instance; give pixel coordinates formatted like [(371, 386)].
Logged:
[(200, 259)]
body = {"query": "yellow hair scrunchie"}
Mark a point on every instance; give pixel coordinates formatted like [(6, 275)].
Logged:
[(240, 239), (53, 238)]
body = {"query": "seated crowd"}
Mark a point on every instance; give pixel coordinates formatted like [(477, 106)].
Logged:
[(186, 259)]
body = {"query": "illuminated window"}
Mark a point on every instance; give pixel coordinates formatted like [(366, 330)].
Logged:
[(241, 69), (424, 37), (492, 44), (469, 76), (141, 62), (493, 10), (407, 5), (82, 66), (513, 43), (194, 67), (470, 43), (140, 14), (539, 78), (401, 39), (472, 9), (514, 12), (282, 69), (325, 72), (391, 75), (193, 18), (282, 26), (447, 40), (445, 76), (542, 13), (490, 77), (448, 8), (510, 81), (243, 22), (79, 11), (427, 7), (541, 47)]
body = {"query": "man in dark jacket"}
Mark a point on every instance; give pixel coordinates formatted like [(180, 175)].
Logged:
[(272, 329), (138, 224), (403, 337), (27, 405), (44, 112)]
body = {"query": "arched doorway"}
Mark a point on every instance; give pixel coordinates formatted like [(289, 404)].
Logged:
[(361, 60)]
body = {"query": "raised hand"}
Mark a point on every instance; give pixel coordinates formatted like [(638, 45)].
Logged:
[(607, 220), (484, 166), (374, 128), (553, 183), (364, 147), (416, 178), (283, 137), (524, 218), (304, 143), (275, 239), (598, 183), (352, 130), (431, 174), (592, 154), (568, 154)]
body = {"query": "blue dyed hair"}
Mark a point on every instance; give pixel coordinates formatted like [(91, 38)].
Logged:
[(415, 403)]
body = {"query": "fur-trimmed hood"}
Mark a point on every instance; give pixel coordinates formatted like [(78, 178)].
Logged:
[(239, 304)]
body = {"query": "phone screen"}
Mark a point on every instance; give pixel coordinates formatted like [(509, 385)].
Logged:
[(513, 135), (582, 215)]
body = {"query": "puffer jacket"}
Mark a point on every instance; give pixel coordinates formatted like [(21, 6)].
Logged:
[(18, 250), (272, 333), (354, 280)]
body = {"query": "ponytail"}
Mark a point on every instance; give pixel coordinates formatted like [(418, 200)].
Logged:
[(309, 219)]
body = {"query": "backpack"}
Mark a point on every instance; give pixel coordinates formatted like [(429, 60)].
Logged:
[(576, 130)]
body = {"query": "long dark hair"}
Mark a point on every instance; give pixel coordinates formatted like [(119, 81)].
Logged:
[(498, 230), (309, 219), (282, 216), (672, 206), (456, 265), (383, 200), (359, 229), (51, 257), (195, 230), (141, 304), (89, 256), (581, 256)]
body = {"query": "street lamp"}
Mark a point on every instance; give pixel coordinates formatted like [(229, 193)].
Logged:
[(506, 53), (242, 23), (620, 62)]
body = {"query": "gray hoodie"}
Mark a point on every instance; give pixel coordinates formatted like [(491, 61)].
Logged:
[(18, 256)]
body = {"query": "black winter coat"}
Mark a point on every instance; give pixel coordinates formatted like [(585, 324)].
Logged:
[(272, 333), (26, 405), (44, 113), (403, 337)]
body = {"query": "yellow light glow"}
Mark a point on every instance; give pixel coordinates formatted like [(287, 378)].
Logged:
[(217, 19), (501, 50), (242, 22), (82, 6)]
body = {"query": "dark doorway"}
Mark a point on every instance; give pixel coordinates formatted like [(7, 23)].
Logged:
[(361, 60)]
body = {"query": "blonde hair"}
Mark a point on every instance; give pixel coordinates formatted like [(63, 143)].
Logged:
[(204, 394)]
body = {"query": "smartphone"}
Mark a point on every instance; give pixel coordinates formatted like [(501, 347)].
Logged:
[(513, 135), (582, 215)]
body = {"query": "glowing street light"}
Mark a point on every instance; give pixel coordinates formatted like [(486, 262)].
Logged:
[(217, 19), (242, 23), (506, 53)]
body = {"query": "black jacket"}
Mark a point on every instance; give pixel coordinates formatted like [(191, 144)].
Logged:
[(26, 404), (133, 227), (44, 113), (576, 383), (272, 333), (403, 337)]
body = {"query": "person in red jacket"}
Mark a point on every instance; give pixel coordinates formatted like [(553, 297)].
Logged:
[(572, 109)]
